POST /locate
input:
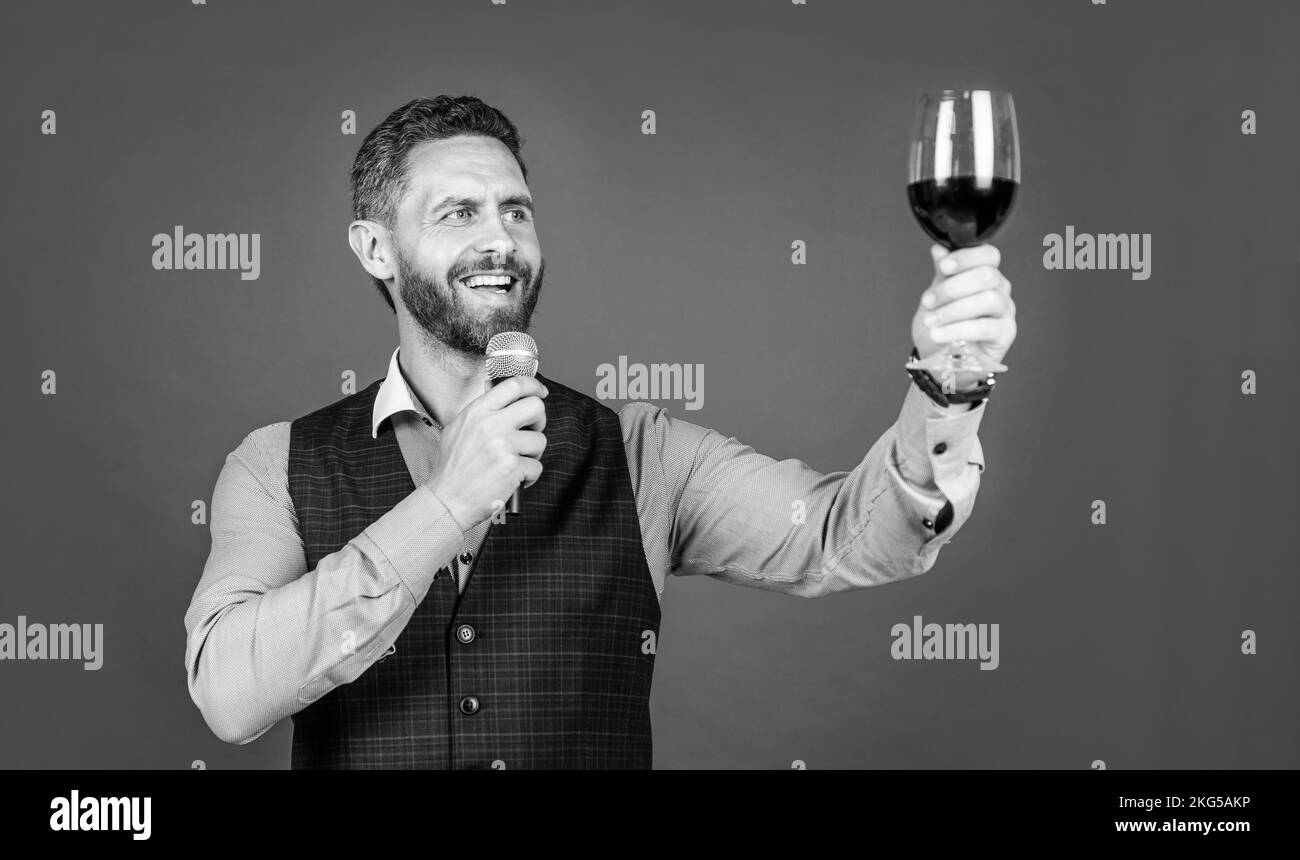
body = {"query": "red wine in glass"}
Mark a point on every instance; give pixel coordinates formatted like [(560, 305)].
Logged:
[(957, 213), (963, 175)]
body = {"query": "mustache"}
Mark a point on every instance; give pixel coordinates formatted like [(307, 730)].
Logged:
[(523, 273)]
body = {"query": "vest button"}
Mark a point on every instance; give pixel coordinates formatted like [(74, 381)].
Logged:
[(466, 556), (465, 633), (469, 705)]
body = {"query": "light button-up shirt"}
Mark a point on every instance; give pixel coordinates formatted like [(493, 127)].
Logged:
[(266, 636)]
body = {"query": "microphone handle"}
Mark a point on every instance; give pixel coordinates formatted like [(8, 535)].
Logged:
[(513, 506)]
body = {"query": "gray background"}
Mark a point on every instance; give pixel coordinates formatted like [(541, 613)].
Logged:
[(775, 122)]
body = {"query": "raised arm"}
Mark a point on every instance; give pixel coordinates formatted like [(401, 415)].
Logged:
[(745, 518)]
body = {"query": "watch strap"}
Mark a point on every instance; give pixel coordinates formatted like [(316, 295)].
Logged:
[(927, 383)]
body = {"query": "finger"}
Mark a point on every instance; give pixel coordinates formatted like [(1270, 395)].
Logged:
[(982, 329), (990, 303), (528, 443), (528, 412), (504, 393), (962, 284), (967, 258), (529, 471)]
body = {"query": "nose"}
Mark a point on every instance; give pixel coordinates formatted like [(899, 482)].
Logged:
[(495, 239)]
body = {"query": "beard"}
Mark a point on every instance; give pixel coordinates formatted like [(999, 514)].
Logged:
[(458, 322)]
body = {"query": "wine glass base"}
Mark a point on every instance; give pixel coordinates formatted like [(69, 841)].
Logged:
[(957, 358)]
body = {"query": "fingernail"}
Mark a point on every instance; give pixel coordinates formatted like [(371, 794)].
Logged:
[(930, 319), (927, 299)]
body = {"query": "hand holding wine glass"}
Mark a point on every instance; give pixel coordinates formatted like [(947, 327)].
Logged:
[(972, 302), (963, 175)]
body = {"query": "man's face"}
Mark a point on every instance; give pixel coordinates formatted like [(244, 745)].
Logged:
[(467, 211)]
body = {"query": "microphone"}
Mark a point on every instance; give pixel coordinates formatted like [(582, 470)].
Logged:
[(511, 353)]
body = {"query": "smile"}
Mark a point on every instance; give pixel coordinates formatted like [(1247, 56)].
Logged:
[(499, 284)]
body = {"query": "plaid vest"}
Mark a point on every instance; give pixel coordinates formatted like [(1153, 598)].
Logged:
[(544, 661)]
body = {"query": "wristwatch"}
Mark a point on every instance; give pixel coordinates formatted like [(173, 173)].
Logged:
[(927, 383)]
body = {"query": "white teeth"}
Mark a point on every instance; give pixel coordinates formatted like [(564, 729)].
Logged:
[(488, 281)]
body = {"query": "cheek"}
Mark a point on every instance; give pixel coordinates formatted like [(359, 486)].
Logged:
[(437, 268), (434, 252)]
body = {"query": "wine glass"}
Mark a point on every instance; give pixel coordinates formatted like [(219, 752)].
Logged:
[(962, 176)]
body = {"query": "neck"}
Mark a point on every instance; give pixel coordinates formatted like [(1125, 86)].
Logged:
[(444, 380)]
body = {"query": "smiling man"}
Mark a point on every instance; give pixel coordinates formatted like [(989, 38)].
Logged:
[(359, 584)]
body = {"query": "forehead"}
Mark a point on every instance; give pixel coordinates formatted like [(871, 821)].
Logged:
[(469, 166)]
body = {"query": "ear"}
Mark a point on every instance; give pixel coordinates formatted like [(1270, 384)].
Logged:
[(372, 243)]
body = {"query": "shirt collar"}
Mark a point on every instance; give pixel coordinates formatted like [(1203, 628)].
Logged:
[(394, 397)]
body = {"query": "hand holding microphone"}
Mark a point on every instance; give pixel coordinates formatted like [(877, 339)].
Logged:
[(493, 445)]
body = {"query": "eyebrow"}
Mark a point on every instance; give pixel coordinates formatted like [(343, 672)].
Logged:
[(513, 200)]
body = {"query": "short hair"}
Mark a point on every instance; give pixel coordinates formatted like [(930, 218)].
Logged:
[(379, 173)]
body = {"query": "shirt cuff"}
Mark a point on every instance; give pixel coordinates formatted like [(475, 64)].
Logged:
[(936, 443), (415, 539), (936, 463)]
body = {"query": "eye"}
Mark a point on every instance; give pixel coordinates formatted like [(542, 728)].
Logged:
[(523, 214), (462, 209)]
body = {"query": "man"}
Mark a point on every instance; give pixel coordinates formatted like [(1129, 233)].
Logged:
[(362, 581)]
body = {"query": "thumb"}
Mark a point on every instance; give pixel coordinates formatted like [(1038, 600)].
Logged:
[(937, 253)]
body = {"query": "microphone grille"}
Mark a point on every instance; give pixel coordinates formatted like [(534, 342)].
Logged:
[(511, 353)]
